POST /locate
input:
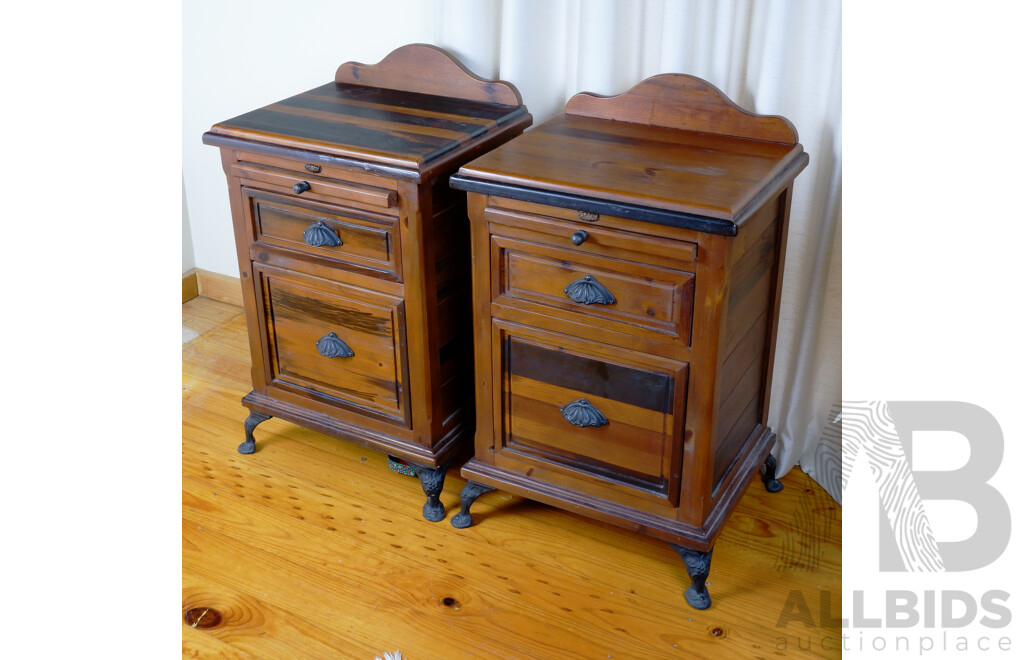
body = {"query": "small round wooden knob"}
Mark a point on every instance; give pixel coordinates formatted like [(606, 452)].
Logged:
[(300, 187), (579, 237)]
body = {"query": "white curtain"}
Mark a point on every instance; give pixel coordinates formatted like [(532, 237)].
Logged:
[(769, 56)]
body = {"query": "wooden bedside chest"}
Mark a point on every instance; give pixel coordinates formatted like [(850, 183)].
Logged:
[(354, 253), (627, 268)]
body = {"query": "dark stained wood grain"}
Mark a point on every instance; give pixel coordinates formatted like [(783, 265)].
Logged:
[(314, 167), (320, 188), (302, 314), (450, 238), (684, 103), (743, 390), (645, 389), (411, 109), (427, 69), (644, 297), (538, 428), (703, 174), (745, 351), (607, 236), (683, 198), (367, 240), (592, 206), (540, 372), (364, 160)]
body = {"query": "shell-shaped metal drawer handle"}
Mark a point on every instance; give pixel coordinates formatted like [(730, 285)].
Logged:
[(589, 291), (583, 413), (318, 235), (332, 346)]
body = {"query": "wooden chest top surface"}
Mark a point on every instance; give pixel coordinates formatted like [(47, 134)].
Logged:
[(389, 126), (409, 110), (673, 142), (700, 173)]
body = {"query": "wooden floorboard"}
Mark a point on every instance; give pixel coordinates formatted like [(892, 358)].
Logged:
[(312, 548)]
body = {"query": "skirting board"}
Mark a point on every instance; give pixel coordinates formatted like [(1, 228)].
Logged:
[(224, 288)]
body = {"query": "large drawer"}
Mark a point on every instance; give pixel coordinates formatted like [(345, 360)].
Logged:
[(605, 421), (339, 343), (361, 240)]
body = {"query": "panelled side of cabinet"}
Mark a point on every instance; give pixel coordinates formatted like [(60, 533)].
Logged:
[(487, 398), (747, 333), (454, 304)]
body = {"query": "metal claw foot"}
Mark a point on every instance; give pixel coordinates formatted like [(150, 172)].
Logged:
[(771, 484), (470, 492), (432, 480), (251, 422), (698, 566)]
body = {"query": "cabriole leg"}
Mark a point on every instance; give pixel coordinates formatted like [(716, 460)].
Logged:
[(432, 480), (771, 484), (698, 566), (251, 422), (470, 492)]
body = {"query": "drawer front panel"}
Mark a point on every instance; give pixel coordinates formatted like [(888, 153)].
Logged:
[(315, 186), (303, 169), (636, 244), (342, 344), (594, 416), (356, 238), (626, 294)]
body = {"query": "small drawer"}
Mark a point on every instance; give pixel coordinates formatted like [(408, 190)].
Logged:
[(601, 415), (630, 240), (622, 295), (310, 186), (316, 167), (360, 239), (339, 343)]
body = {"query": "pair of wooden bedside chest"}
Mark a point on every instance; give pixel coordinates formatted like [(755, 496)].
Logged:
[(597, 298)]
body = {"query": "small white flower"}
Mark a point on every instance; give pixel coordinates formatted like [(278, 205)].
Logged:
[(397, 655)]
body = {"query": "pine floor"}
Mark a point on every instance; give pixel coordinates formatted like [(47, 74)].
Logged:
[(312, 548)]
